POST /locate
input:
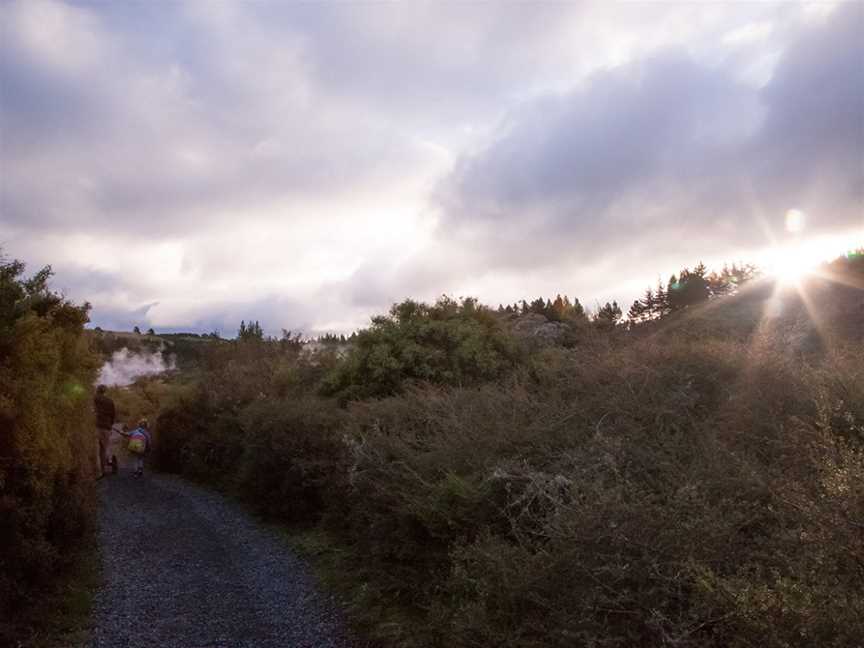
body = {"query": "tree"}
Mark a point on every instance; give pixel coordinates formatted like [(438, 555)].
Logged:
[(691, 288), (649, 305), (558, 310), (136, 330), (538, 306), (150, 331), (608, 316), (577, 312), (637, 312), (730, 279), (250, 332), (661, 300)]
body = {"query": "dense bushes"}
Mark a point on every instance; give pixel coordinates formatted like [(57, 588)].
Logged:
[(657, 495), (254, 426), (683, 484), (47, 446)]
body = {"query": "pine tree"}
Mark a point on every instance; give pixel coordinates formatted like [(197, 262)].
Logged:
[(649, 304), (538, 306), (608, 316), (637, 312), (577, 312), (690, 289), (730, 279), (661, 301)]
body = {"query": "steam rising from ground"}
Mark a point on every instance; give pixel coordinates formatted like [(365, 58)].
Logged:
[(125, 366)]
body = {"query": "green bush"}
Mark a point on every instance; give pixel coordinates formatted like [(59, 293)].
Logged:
[(47, 438), (450, 343)]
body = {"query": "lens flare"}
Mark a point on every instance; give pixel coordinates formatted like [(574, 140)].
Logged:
[(794, 221)]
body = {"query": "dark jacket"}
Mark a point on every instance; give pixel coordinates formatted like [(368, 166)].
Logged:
[(104, 411)]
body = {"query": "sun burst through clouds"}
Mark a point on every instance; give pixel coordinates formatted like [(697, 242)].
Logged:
[(790, 261)]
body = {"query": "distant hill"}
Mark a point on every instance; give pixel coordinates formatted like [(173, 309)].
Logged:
[(187, 348)]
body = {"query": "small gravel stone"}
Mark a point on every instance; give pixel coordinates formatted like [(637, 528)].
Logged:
[(186, 568)]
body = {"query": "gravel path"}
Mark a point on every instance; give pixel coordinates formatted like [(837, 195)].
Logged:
[(186, 568)]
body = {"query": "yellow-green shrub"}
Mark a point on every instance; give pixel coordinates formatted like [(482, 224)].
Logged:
[(47, 439)]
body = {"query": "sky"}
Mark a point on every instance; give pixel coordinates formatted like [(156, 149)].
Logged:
[(186, 165)]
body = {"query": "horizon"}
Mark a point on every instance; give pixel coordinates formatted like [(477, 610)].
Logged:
[(187, 166), (781, 277)]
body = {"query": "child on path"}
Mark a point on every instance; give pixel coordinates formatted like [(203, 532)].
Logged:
[(139, 445)]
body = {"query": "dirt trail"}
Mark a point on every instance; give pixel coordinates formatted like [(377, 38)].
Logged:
[(186, 568)]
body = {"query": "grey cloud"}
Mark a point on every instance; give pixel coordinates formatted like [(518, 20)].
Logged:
[(667, 150), (378, 284), (115, 318), (173, 134), (82, 283), (814, 128), (436, 63)]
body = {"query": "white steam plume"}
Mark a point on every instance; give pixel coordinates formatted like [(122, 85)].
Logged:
[(124, 367)]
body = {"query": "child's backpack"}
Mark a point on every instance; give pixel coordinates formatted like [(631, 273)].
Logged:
[(137, 442)]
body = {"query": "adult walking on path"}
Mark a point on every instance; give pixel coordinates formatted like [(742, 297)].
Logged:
[(183, 567), (105, 416)]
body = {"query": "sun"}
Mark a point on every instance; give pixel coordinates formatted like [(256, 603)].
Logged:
[(788, 267), (792, 262)]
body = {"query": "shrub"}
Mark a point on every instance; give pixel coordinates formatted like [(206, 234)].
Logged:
[(47, 442), (689, 494), (294, 458), (695, 481), (183, 428), (450, 343)]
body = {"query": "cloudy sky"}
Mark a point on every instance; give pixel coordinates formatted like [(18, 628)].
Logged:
[(184, 165)]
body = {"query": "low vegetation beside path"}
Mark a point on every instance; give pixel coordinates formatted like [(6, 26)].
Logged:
[(692, 480)]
